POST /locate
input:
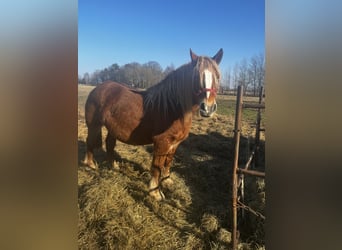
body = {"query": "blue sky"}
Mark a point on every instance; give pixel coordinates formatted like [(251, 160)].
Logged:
[(125, 31)]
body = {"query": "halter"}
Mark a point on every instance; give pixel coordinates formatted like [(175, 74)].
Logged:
[(204, 90)]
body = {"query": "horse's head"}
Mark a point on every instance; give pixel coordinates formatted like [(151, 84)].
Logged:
[(206, 80)]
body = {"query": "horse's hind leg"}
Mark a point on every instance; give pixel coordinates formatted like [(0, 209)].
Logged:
[(94, 140), (110, 144)]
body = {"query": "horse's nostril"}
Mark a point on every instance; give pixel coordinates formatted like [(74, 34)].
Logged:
[(202, 106)]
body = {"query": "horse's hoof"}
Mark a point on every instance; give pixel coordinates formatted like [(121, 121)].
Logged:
[(91, 165), (157, 195), (115, 165)]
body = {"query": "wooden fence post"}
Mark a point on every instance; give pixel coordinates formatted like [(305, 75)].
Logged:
[(237, 131)]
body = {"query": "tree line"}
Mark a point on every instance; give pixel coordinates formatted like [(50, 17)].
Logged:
[(248, 72), (133, 74)]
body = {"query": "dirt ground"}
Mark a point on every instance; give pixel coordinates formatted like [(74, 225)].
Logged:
[(116, 212)]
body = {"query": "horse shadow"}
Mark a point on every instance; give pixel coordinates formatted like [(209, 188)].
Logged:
[(100, 157), (207, 174)]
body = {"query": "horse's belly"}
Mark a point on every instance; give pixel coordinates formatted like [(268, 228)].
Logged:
[(137, 141), (133, 136)]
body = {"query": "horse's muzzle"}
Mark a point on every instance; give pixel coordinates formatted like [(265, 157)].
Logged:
[(207, 111)]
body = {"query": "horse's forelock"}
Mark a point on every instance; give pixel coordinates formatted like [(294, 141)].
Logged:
[(206, 63)]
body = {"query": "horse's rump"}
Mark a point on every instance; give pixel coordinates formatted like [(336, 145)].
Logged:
[(120, 110)]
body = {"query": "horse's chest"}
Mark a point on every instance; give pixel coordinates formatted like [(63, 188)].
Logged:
[(179, 133)]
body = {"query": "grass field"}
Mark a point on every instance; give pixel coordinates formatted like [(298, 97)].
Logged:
[(116, 212)]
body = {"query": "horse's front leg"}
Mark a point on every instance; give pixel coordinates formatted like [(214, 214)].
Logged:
[(156, 170), (160, 172), (166, 180)]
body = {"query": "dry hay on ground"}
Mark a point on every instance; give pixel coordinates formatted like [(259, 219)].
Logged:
[(116, 212)]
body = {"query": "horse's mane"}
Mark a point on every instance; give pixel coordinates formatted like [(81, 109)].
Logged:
[(174, 93)]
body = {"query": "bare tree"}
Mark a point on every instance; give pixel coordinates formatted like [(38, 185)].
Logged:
[(248, 73), (152, 73), (243, 77), (114, 73), (253, 72), (236, 71), (169, 69), (261, 70), (131, 74), (257, 72), (80, 79), (86, 78), (226, 80)]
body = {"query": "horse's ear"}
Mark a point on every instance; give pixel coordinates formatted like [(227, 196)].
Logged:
[(218, 57), (193, 56)]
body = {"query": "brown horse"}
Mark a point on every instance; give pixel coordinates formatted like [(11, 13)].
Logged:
[(161, 115)]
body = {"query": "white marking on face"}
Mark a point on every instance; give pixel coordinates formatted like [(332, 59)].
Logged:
[(208, 80)]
